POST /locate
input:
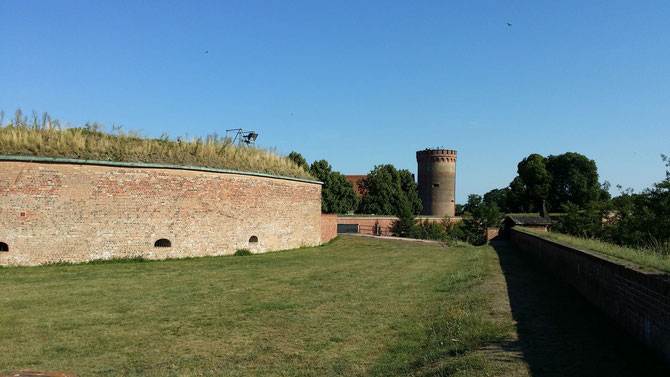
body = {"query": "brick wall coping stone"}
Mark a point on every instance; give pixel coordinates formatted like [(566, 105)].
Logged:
[(621, 263), (60, 160)]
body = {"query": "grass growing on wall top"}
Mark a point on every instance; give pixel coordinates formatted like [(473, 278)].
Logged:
[(644, 257), (44, 137)]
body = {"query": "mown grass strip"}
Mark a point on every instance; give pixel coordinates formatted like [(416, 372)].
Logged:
[(352, 307)]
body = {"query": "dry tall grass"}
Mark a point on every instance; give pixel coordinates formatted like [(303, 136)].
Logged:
[(42, 136)]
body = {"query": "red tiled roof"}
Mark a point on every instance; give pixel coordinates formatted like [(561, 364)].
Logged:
[(354, 179)]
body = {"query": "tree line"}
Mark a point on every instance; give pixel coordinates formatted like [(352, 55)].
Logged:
[(384, 190), (390, 191), (566, 184)]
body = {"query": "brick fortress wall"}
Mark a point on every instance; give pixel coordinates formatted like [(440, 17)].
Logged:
[(381, 224), (53, 212), (638, 300), (328, 227)]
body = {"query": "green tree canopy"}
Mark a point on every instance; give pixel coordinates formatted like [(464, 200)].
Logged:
[(474, 201), (337, 193), (556, 180), (532, 184), (385, 189), (574, 179), (498, 197), (299, 160)]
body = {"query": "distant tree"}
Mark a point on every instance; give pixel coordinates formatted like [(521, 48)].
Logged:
[(498, 197), (641, 219), (385, 190), (337, 193), (556, 180), (404, 226), (574, 179), (532, 184), (474, 201), (475, 224), (579, 221), (299, 160)]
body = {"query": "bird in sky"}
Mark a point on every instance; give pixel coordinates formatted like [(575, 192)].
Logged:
[(508, 24), (207, 52)]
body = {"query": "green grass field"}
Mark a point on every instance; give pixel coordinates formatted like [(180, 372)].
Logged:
[(352, 307)]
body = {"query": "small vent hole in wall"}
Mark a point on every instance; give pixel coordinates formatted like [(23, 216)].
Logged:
[(436, 185), (4, 246), (163, 242), (253, 240)]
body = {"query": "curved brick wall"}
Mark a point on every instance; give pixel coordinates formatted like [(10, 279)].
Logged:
[(77, 212)]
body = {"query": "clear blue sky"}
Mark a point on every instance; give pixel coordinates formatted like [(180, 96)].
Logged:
[(360, 83)]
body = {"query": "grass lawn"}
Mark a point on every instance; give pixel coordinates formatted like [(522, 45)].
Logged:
[(352, 307)]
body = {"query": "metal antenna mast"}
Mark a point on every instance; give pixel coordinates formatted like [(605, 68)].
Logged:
[(243, 136)]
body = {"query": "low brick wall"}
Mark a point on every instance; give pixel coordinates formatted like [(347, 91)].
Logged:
[(638, 300), (381, 224), (328, 227), (54, 211), (492, 233)]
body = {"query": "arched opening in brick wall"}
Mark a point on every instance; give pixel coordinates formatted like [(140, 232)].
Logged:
[(163, 242), (4, 246), (253, 240)]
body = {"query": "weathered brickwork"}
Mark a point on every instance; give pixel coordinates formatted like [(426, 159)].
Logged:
[(328, 227), (53, 212), (638, 300)]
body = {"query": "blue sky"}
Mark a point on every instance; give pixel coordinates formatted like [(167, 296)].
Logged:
[(360, 83)]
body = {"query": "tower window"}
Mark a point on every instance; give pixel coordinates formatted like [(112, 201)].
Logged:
[(163, 242), (253, 239), (4, 246)]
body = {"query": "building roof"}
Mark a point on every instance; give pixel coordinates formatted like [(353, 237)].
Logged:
[(527, 220), (354, 179)]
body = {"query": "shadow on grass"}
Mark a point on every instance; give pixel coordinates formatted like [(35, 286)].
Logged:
[(562, 334)]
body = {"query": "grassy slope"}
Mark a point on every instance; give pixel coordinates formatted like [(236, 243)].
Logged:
[(645, 258), (354, 307), (46, 140)]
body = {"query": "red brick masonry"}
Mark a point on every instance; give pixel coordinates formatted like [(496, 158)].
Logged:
[(78, 212), (368, 224), (328, 227), (638, 300), (355, 179)]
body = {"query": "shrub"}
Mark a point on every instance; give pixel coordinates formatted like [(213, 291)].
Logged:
[(242, 252), (406, 223), (430, 230), (453, 231)]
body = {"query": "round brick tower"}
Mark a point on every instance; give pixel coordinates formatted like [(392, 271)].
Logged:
[(437, 181)]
